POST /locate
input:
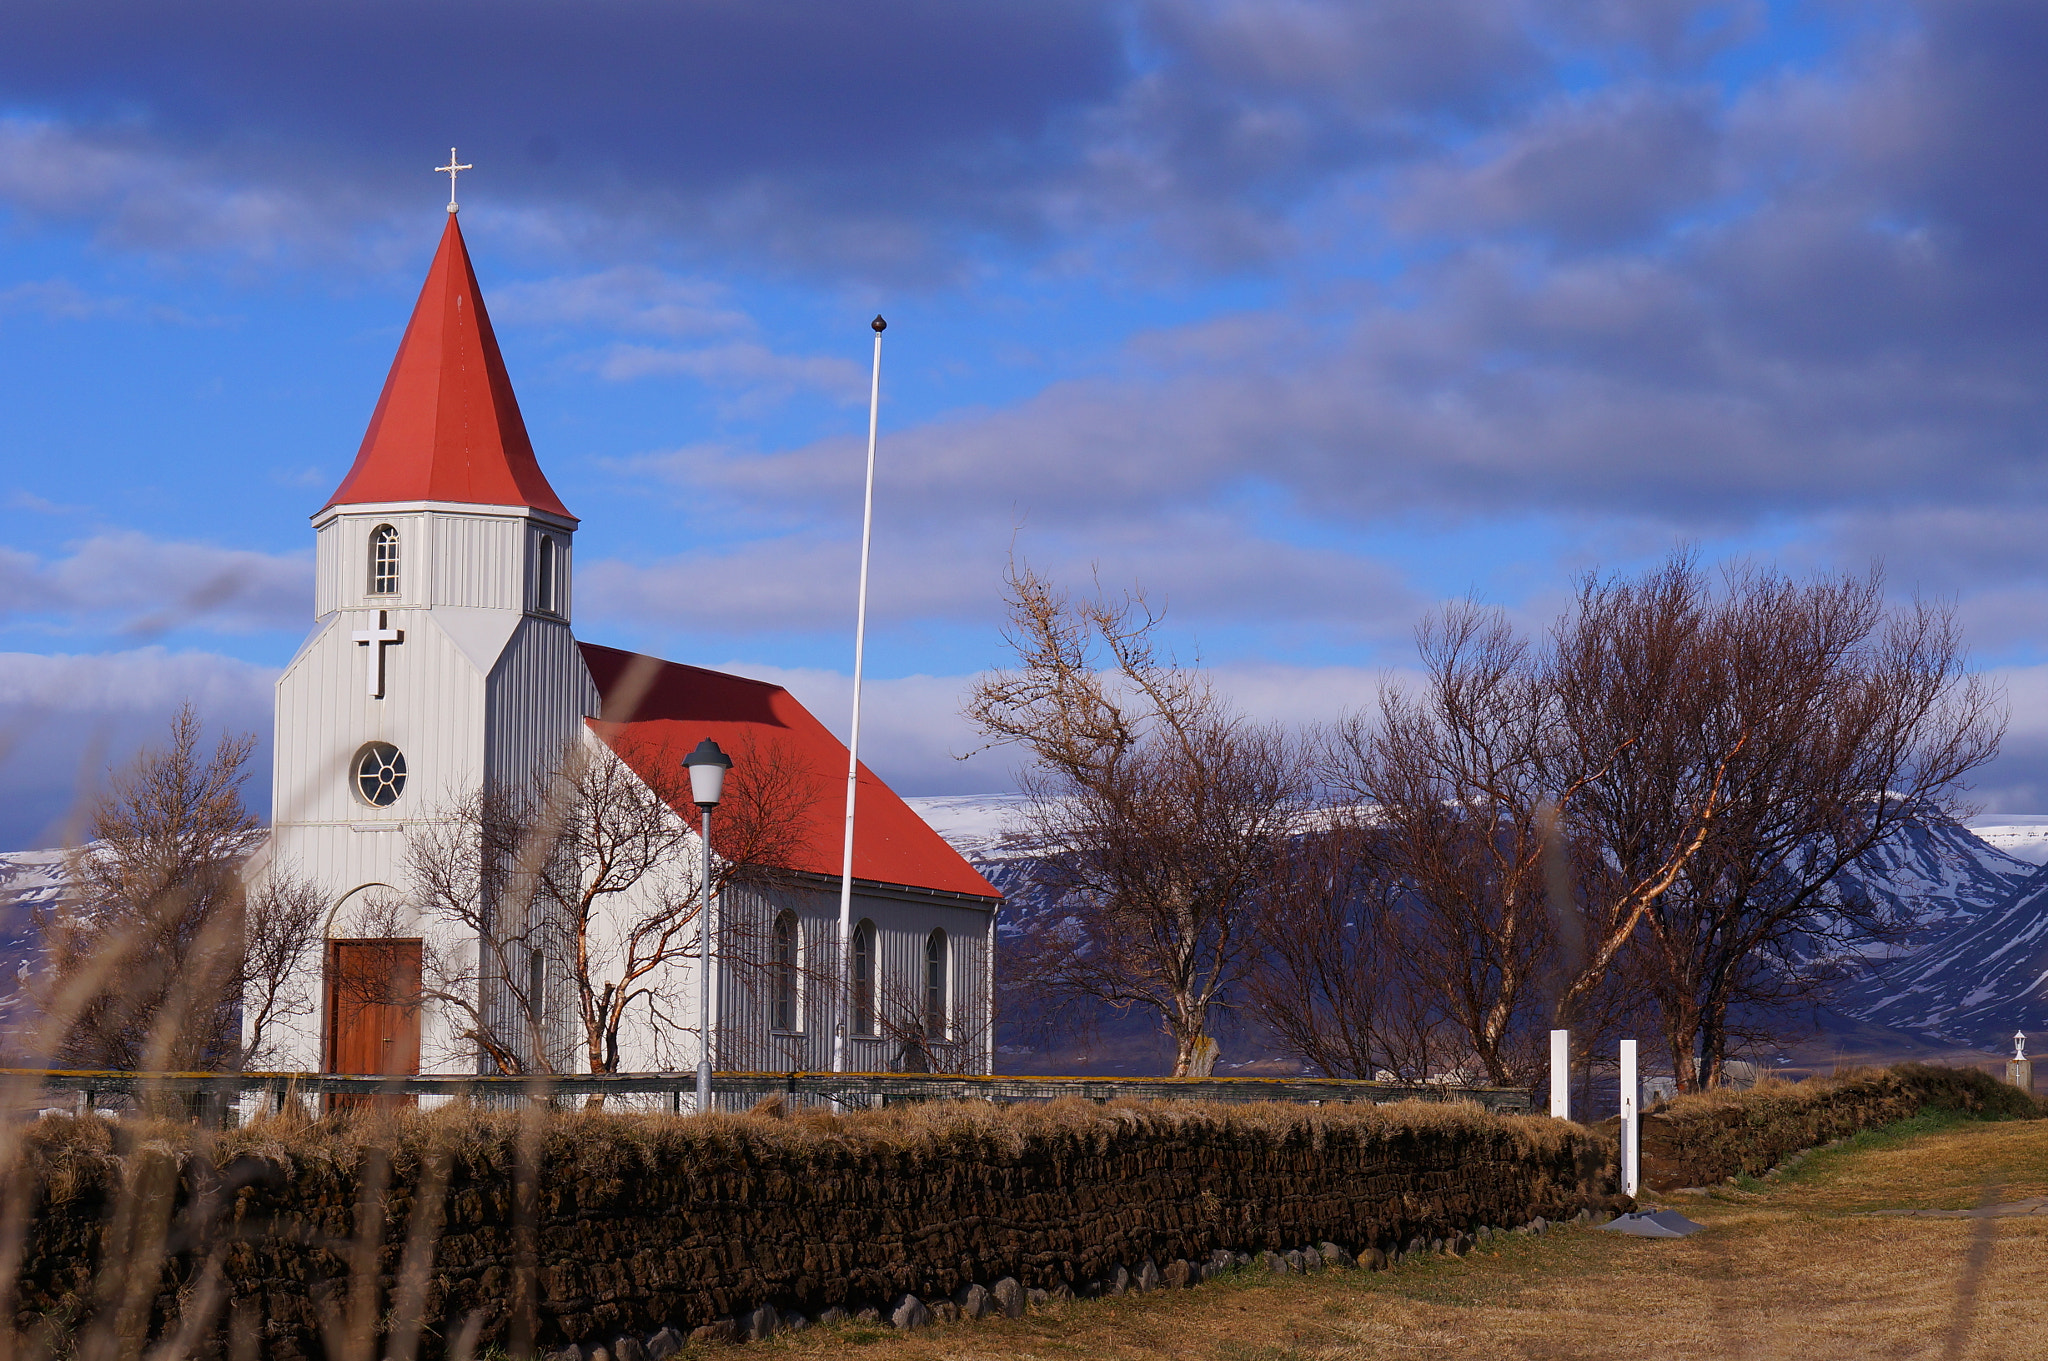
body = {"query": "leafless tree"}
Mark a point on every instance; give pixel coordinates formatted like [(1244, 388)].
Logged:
[(580, 894), (1847, 723), (157, 945), (1639, 682), (1654, 805), (1455, 778), (282, 918), (1332, 982), (1156, 812)]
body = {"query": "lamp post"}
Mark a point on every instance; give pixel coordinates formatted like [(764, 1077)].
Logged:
[(707, 766)]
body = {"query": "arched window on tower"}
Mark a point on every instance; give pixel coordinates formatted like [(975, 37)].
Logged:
[(935, 986), (384, 560), (544, 588), (783, 972), (864, 979)]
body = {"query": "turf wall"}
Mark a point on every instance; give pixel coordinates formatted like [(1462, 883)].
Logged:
[(273, 1236)]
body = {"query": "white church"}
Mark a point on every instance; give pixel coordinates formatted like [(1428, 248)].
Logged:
[(443, 661)]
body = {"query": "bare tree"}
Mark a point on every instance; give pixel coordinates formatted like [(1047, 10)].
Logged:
[(580, 894), (1331, 982), (1639, 682), (157, 945), (281, 921), (1155, 811), (1656, 804), (1855, 723), (1456, 781)]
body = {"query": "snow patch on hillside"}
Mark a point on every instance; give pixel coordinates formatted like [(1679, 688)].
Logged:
[(2023, 835)]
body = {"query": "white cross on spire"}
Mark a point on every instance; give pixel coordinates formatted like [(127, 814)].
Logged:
[(375, 639), (450, 170)]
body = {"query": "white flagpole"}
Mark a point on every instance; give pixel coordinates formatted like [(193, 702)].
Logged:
[(860, 640)]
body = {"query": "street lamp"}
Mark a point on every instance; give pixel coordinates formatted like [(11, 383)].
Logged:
[(707, 766)]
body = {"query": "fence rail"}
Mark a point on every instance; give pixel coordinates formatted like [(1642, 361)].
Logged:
[(738, 1090)]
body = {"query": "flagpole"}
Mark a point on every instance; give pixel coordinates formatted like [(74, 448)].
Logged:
[(860, 639)]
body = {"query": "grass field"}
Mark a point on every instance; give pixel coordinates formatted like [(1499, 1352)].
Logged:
[(1795, 1267)]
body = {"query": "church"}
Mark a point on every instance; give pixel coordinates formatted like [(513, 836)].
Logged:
[(443, 669)]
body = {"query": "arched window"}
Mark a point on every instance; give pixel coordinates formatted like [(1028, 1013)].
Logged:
[(384, 560), (783, 972), (544, 587), (864, 979), (935, 986)]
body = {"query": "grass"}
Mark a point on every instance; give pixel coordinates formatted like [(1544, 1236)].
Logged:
[(1791, 1267)]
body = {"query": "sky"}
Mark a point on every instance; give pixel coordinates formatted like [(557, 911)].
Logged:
[(1304, 317)]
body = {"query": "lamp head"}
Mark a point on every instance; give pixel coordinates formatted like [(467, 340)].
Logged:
[(707, 766)]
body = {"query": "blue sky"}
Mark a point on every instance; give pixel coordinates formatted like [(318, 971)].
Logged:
[(1304, 315)]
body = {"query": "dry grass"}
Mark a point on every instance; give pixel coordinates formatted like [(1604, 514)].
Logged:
[(607, 1142), (1789, 1271), (1706, 1138)]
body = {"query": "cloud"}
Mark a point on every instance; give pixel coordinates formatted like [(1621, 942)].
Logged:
[(912, 734), (2017, 782), (145, 587), (1695, 310), (1588, 171), (739, 363), (65, 720), (62, 300), (1206, 571), (628, 299), (891, 137)]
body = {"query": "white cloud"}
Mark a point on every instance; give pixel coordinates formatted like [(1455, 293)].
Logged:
[(1203, 569), (146, 587), (65, 720), (739, 363), (634, 299), (913, 736)]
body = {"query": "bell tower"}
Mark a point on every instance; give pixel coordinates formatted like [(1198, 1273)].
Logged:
[(441, 656)]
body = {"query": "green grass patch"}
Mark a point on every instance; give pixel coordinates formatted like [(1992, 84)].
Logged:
[(1826, 1163)]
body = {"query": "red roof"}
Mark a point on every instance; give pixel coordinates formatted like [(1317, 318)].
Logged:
[(447, 427), (657, 711)]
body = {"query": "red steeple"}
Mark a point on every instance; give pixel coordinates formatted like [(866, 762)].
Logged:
[(447, 427)]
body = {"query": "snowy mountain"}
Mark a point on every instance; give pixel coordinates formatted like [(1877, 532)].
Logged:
[(1940, 876), (28, 880), (1973, 985), (1972, 970), (974, 825), (2017, 834)]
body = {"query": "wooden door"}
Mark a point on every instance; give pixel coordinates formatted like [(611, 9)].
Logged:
[(373, 1007)]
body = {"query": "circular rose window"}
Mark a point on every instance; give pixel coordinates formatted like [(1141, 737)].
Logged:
[(380, 774)]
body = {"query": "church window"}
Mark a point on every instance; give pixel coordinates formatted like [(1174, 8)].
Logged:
[(536, 984), (783, 972), (544, 593), (864, 979), (935, 986), (384, 560), (380, 774)]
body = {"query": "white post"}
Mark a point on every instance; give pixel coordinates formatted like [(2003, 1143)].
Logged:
[(1561, 1074), (860, 639), (1631, 1122)]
